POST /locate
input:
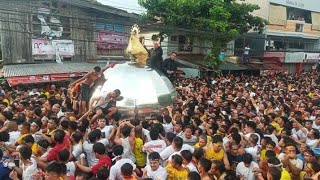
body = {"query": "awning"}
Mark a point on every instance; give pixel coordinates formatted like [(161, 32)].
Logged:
[(42, 73), (276, 67)]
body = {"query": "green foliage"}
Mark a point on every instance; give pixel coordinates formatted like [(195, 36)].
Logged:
[(224, 19)]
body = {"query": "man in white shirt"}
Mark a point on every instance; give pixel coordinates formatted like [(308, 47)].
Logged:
[(178, 129), (93, 137), (176, 147), (154, 170), (104, 127), (316, 122), (155, 145), (253, 147), (115, 170), (290, 161), (245, 169), (76, 145), (167, 126), (28, 165), (187, 160)]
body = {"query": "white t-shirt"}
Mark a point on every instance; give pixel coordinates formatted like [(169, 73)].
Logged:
[(146, 132), (37, 137), (254, 152), (154, 145), (168, 127), (88, 149), (13, 136), (242, 170), (191, 141), (311, 142), (184, 147), (158, 174), (115, 170), (127, 152), (77, 150), (315, 126), (27, 172), (71, 168), (168, 151), (296, 162), (273, 138), (192, 167), (106, 131), (299, 133), (248, 135)]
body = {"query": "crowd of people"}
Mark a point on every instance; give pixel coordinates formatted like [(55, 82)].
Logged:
[(224, 127)]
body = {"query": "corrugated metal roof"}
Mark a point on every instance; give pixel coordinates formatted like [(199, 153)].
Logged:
[(48, 68)]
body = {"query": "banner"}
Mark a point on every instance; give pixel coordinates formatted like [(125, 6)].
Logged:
[(310, 56), (111, 40), (64, 48)]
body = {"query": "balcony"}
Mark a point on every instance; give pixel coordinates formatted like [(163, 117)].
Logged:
[(295, 28)]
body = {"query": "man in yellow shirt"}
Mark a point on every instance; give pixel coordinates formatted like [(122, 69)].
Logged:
[(175, 169)]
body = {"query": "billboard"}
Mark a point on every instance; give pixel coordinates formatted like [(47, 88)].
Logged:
[(64, 48)]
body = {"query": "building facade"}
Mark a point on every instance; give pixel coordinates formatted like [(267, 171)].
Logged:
[(37, 31), (291, 40)]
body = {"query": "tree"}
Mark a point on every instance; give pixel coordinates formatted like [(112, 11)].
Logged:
[(224, 20)]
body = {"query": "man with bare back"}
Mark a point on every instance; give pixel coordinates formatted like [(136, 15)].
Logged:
[(86, 83)]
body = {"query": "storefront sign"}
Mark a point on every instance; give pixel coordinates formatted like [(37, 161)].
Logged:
[(301, 4), (64, 48), (310, 56), (274, 54), (294, 57), (14, 81), (60, 77), (312, 61)]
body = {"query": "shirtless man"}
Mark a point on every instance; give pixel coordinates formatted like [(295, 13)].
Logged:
[(104, 105), (87, 82)]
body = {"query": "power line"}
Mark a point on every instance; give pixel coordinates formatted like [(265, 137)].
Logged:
[(168, 46), (187, 17), (172, 28), (148, 39), (202, 19)]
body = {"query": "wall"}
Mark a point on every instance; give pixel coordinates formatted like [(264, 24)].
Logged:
[(264, 7), (15, 39)]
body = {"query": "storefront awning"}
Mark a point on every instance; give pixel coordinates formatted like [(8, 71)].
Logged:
[(42, 73)]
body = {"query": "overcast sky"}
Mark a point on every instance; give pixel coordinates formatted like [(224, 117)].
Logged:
[(131, 6)]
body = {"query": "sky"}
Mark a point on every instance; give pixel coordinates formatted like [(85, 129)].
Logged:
[(131, 6)]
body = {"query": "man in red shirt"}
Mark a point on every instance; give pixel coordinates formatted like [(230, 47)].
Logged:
[(100, 153)]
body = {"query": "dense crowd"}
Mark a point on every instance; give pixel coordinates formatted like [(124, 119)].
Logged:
[(224, 127)]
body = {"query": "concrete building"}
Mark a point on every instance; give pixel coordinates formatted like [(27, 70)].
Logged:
[(291, 40)]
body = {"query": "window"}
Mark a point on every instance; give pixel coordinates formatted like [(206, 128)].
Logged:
[(174, 38), (185, 44), (299, 15), (299, 27)]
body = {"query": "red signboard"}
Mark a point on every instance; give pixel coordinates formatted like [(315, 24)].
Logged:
[(14, 81), (111, 40), (59, 77), (274, 54)]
